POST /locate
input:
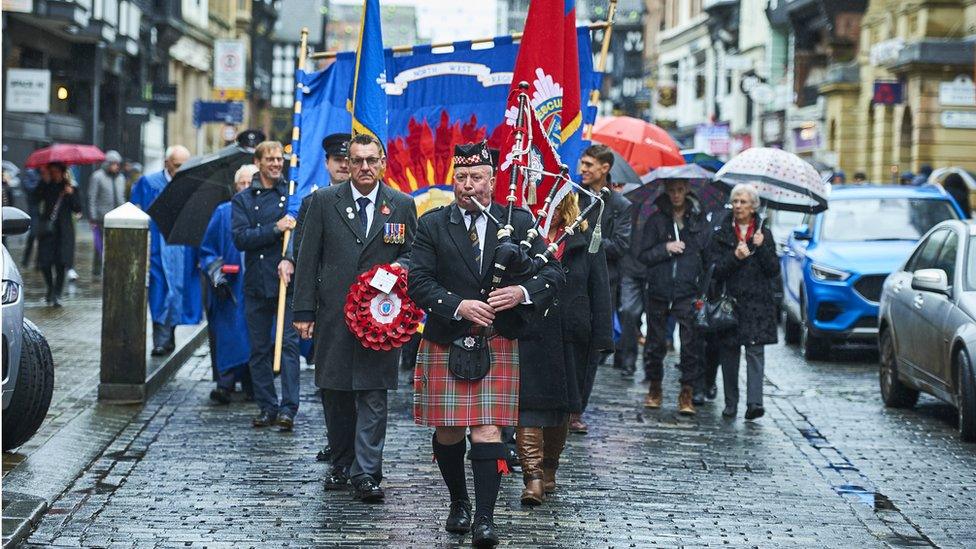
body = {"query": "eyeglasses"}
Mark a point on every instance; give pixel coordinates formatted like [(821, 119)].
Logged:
[(371, 161), (475, 178)]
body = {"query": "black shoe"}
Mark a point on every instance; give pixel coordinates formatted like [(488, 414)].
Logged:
[(698, 398), (483, 533), (711, 392), (56, 303), (286, 422), (459, 518), (728, 411), (755, 412), (325, 454), (337, 479), (513, 461), (220, 395), (367, 491), (264, 419)]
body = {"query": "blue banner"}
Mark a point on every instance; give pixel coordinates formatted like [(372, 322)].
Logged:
[(435, 100)]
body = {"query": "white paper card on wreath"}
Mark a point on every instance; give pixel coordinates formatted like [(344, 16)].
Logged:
[(383, 280)]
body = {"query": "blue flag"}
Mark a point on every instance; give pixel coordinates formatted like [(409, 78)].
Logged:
[(368, 97)]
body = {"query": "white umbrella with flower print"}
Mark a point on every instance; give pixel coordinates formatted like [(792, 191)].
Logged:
[(784, 180)]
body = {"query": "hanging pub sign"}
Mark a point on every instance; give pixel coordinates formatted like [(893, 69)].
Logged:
[(887, 92)]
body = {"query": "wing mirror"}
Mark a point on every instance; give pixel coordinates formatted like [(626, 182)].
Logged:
[(931, 280), (15, 221), (802, 232)]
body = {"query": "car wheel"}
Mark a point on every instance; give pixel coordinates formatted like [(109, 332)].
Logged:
[(894, 392), (814, 347), (32, 392), (791, 329), (967, 397)]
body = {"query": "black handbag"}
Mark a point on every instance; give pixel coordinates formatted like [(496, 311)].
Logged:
[(715, 315), (469, 357)]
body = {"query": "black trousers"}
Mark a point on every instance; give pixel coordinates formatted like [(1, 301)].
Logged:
[(356, 421), (630, 309), (655, 348)]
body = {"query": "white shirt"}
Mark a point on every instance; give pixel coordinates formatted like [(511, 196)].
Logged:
[(371, 207), (480, 225)]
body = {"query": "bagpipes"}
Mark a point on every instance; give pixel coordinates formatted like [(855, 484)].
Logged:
[(511, 259)]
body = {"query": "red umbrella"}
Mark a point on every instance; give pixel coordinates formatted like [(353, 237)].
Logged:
[(65, 153), (644, 145)]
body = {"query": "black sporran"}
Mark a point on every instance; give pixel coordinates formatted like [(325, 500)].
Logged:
[(469, 357)]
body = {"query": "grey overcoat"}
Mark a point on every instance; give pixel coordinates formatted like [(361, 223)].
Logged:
[(333, 252)]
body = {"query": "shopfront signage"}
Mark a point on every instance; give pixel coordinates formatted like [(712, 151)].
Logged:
[(28, 90), (959, 119), (960, 92)]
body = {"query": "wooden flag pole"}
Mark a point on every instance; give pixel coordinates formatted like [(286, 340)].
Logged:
[(295, 136), (601, 63)]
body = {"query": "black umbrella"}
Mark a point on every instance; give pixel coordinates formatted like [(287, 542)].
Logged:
[(182, 211), (622, 173)]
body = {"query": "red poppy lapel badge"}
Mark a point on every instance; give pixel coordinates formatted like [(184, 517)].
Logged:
[(384, 209)]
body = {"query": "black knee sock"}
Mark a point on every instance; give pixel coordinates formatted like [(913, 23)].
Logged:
[(485, 457), (450, 460)]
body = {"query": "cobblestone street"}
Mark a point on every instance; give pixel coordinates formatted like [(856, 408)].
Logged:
[(827, 466)]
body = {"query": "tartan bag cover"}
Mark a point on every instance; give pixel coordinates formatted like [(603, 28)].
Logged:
[(442, 400)]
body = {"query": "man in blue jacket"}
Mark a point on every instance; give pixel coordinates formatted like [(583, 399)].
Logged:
[(174, 282), (259, 219)]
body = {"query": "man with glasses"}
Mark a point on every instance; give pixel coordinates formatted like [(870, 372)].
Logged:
[(336, 147), (348, 229), (259, 218)]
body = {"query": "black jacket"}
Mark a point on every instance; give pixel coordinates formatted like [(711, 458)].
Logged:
[(563, 341), (254, 213), (616, 229), (55, 230), (671, 277), (746, 280), (442, 273)]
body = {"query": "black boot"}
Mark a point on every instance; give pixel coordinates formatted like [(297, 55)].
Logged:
[(450, 460), (487, 463)]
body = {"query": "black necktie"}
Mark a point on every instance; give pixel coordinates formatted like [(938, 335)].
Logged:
[(363, 201), (473, 237)]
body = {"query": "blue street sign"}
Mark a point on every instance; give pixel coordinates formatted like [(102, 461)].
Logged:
[(204, 112)]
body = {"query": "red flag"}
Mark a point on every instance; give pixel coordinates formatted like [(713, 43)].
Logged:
[(548, 62)]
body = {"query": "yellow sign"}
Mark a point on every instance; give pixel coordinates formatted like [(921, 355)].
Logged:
[(228, 94)]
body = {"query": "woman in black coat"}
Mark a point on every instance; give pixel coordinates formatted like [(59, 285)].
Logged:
[(744, 255), (57, 200), (559, 354)]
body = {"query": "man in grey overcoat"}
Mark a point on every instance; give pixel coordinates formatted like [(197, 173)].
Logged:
[(348, 229)]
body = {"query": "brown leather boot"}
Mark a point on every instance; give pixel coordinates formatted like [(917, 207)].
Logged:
[(653, 398), (554, 441), (528, 441), (685, 405)]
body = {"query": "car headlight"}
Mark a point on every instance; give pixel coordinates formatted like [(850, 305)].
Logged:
[(11, 292), (822, 272)]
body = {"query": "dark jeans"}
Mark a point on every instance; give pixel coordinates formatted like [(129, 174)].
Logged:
[(711, 359), (260, 313), (655, 348), (164, 335), (54, 278), (229, 378), (630, 310)]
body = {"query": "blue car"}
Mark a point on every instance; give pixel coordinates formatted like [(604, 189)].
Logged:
[(835, 263)]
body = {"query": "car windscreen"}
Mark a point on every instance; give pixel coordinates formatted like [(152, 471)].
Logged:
[(861, 219)]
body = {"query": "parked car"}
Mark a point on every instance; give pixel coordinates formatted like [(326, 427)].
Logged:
[(28, 369), (928, 324), (835, 262)]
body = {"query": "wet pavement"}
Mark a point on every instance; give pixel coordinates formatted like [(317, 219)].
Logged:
[(828, 466)]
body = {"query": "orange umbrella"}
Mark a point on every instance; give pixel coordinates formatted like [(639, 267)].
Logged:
[(644, 145)]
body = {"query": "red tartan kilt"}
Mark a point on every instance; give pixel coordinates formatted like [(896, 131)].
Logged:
[(442, 400)]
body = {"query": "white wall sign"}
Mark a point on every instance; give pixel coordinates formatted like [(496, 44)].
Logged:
[(23, 6), (959, 119), (959, 92), (28, 90), (886, 52), (230, 64)]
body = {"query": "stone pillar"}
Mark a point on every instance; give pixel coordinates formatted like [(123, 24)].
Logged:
[(125, 282)]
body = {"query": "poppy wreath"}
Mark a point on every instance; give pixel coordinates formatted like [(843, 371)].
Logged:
[(381, 321)]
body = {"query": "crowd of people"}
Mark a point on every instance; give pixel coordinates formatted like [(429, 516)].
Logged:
[(505, 366)]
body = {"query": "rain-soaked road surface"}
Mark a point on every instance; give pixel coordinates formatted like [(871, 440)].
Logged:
[(827, 467)]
